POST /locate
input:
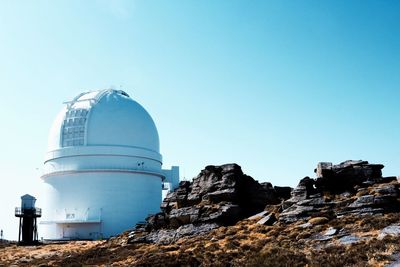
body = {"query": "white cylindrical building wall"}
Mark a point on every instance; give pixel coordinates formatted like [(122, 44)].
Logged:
[(90, 201)]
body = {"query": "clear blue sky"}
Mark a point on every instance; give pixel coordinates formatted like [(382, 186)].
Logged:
[(275, 86)]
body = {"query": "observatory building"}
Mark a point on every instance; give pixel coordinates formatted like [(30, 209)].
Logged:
[(103, 169)]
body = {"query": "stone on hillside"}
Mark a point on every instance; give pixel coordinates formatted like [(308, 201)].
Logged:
[(228, 194), (392, 230), (182, 216), (295, 213), (303, 190), (363, 201), (388, 201), (228, 183), (229, 214), (388, 179), (168, 236), (360, 211), (156, 221), (323, 168), (318, 220), (178, 198), (349, 239), (319, 237), (395, 260), (190, 229), (333, 193), (267, 220), (309, 185), (385, 202), (305, 225), (283, 192), (315, 202), (387, 189), (346, 175), (258, 215), (331, 231)]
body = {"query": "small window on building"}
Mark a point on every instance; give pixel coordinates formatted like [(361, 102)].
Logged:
[(74, 127)]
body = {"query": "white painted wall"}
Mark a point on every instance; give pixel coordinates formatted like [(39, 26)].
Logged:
[(121, 199)]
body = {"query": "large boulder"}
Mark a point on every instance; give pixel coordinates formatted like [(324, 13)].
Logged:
[(219, 195), (344, 176), (351, 187), (303, 191), (221, 187)]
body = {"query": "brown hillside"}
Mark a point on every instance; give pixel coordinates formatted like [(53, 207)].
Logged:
[(347, 216)]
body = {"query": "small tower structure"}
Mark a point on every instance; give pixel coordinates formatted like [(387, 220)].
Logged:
[(28, 215)]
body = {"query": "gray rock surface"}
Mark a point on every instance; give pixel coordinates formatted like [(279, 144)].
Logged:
[(267, 220), (349, 239), (393, 230), (219, 195), (395, 260), (342, 182), (344, 176), (258, 215), (224, 195), (167, 236), (331, 231), (319, 237)]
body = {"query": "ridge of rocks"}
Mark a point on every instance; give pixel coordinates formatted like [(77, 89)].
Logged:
[(224, 195), (351, 187)]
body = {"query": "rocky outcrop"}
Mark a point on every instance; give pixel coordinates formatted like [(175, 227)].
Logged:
[(223, 195), (167, 236), (346, 175), (219, 195), (351, 187)]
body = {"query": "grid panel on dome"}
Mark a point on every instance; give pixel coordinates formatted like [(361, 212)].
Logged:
[(73, 132)]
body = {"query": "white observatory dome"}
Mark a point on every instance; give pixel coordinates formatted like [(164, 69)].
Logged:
[(102, 171), (107, 117)]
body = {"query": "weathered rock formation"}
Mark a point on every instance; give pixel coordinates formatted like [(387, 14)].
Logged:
[(223, 195), (219, 195), (346, 175), (351, 187)]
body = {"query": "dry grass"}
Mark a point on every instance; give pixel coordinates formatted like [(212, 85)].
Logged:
[(244, 244), (43, 255)]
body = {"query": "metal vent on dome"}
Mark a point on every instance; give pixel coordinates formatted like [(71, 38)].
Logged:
[(123, 93)]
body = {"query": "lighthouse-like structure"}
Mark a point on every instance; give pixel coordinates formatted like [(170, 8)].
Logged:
[(103, 169)]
